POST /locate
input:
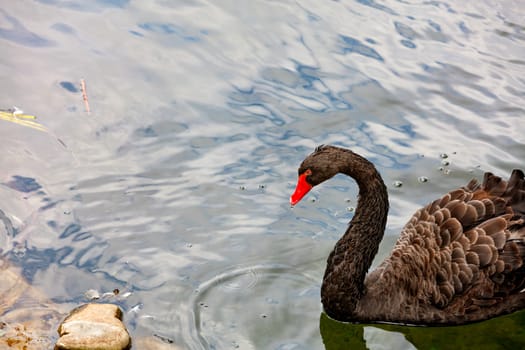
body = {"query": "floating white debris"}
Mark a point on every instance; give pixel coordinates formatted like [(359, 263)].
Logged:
[(92, 294), (125, 295)]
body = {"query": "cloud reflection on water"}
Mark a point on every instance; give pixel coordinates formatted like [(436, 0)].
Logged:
[(201, 115)]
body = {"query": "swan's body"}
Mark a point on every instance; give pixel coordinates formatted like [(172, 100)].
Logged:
[(459, 259)]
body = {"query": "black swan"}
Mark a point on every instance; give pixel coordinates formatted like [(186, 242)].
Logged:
[(458, 260)]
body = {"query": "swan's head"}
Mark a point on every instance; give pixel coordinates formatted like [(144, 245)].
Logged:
[(321, 165)]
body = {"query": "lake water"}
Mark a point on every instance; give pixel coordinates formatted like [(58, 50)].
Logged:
[(175, 187)]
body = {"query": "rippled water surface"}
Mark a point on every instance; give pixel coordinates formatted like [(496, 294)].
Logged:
[(175, 186)]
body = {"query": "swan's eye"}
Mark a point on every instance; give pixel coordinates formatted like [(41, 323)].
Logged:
[(307, 174)]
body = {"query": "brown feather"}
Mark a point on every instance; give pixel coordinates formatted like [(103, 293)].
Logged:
[(499, 239), (470, 216), (479, 206), (484, 252), (485, 240), (494, 225), (472, 235), (472, 258)]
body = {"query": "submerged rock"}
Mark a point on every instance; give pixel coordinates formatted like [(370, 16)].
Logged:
[(93, 327), (154, 343), (26, 317)]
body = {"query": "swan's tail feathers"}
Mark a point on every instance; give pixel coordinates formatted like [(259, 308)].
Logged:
[(515, 192)]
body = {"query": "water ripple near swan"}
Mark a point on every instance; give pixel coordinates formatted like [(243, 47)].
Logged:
[(231, 293)]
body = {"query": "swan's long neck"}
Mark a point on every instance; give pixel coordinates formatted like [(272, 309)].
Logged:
[(348, 263)]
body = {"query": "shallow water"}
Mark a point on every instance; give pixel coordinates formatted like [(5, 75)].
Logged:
[(175, 187)]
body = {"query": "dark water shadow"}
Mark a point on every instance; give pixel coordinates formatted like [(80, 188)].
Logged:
[(506, 332)]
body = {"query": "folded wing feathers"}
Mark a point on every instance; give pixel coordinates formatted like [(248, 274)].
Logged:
[(476, 232)]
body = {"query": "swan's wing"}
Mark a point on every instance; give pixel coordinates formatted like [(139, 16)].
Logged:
[(466, 250)]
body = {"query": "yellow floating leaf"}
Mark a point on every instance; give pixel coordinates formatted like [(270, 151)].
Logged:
[(24, 116), (22, 119)]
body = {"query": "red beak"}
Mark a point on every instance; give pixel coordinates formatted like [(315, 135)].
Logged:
[(302, 188)]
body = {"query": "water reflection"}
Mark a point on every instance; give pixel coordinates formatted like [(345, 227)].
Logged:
[(500, 333), (202, 112), (17, 32)]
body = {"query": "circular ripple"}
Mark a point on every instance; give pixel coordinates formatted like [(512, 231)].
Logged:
[(243, 279), (239, 305)]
